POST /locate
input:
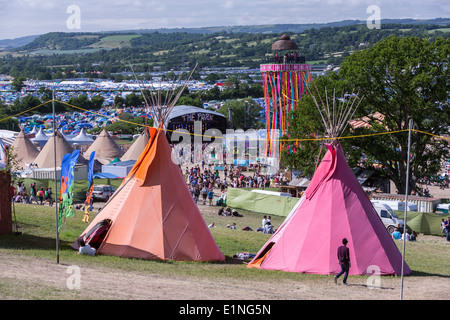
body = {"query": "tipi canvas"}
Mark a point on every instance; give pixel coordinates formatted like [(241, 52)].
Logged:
[(152, 215), (106, 149), (333, 207), (25, 149), (136, 148), (46, 157)]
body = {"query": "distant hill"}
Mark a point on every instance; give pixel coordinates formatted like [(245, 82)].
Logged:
[(293, 28), (9, 44), (59, 55)]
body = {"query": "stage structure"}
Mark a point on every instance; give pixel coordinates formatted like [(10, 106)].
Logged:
[(284, 81)]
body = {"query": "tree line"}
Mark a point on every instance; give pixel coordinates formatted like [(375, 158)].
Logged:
[(401, 79), (157, 51)]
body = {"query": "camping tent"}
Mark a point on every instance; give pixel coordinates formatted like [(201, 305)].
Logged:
[(333, 207), (152, 215), (424, 222), (25, 150), (106, 149)]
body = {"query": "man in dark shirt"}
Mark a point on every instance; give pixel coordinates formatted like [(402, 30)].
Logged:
[(343, 254)]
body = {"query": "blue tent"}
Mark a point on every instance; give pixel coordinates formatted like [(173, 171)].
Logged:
[(104, 175)]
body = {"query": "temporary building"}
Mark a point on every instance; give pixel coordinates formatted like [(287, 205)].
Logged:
[(106, 149), (152, 214), (46, 157), (119, 168), (40, 138), (65, 136), (25, 150), (333, 207), (33, 131), (269, 203), (82, 139)]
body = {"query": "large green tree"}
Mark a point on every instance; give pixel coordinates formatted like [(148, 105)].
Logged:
[(398, 79), (245, 113), (402, 79)]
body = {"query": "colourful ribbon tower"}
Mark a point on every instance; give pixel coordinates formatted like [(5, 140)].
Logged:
[(284, 81)]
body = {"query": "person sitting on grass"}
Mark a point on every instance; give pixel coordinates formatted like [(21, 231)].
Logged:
[(85, 248), (235, 213), (396, 235), (227, 211), (268, 228)]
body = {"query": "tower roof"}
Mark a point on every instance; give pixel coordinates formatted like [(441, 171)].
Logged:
[(285, 43)]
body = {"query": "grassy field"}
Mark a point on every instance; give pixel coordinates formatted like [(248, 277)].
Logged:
[(37, 224), (56, 51), (428, 258), (115, 41)]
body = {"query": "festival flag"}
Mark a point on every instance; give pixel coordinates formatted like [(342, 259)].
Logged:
[(88, 202), (67, 182)]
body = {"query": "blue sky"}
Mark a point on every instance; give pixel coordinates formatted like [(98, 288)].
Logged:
[(29, 17)]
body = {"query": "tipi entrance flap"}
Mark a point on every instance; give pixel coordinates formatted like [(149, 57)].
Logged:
[(262, 255)]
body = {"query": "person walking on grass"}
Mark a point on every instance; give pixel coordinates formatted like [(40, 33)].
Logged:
[(343, 254)]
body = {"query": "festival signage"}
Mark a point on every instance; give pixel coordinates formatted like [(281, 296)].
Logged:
[(67, 184)]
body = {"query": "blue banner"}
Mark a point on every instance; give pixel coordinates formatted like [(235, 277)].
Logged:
[(67, 183)]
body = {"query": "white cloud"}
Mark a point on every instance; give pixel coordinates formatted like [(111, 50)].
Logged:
[(26, 17), (228, 4)]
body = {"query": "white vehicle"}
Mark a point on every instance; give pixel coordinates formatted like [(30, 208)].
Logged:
[(103, 192), (272, 193), (388, 216), (443, 208), (399, 205)]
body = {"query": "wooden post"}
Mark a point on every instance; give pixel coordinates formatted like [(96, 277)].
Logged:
[(5, 202)]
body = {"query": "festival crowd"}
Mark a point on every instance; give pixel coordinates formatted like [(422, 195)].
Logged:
[(35, 194)]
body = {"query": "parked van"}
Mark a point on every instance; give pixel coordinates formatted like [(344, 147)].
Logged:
[(443, 208), (388, 216), (399, 205), (273, 193)]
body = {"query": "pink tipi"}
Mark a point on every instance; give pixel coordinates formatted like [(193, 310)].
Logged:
[(333, 207)]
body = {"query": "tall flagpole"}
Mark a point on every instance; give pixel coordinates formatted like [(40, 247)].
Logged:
[(406, 204), (56, 184)]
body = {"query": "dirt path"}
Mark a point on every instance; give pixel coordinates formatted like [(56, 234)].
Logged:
[(48, 280)]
